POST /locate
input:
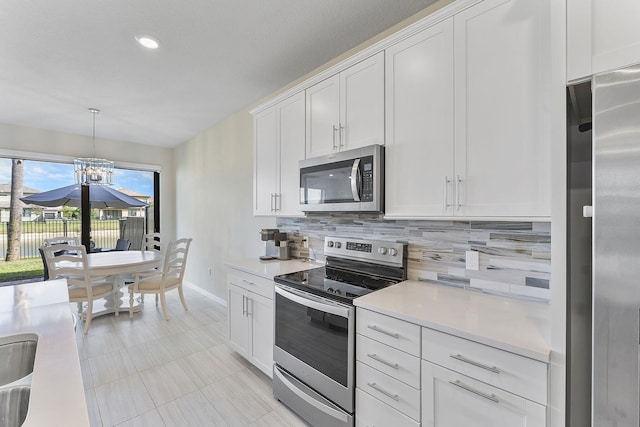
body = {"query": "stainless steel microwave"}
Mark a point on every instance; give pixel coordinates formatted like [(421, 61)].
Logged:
[(348, 181)]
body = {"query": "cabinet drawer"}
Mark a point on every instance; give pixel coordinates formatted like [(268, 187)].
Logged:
[(251, 282), (517, 374), (397, 333), (370, 412), (394, 393), (395, 363), (452, 399)]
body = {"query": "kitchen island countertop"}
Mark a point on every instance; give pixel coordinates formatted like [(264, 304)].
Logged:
[(271, 268), (57, 393), (517, 326)]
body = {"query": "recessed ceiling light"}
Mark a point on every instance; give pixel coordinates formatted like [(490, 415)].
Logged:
[(147, 41)]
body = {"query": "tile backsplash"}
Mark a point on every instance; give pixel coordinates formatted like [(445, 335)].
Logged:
[(515, 257)]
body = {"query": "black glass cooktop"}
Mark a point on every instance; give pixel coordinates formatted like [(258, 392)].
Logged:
[(334, 284)]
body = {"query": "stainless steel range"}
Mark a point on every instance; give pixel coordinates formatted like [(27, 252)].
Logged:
[(314, 350)]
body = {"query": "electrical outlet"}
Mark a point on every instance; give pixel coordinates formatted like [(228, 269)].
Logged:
[(472, 260)]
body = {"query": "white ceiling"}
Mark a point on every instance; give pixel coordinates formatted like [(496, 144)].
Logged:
[(60, 57)]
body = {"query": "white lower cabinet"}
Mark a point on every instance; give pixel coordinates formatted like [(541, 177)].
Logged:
[(450, 399), (408, 375), (250, 318), (373, 413)]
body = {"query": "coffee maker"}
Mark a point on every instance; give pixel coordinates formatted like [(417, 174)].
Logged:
[(276, 245)]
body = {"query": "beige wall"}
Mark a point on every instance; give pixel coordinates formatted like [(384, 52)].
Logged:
[(49, 145), (214, 181)]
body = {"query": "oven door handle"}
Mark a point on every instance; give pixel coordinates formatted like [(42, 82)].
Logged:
[(355, 180), (311, 301)]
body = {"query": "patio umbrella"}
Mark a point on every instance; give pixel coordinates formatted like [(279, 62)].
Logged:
[(101, 197)]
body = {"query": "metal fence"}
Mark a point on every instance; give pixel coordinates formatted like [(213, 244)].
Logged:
[(104, 234)]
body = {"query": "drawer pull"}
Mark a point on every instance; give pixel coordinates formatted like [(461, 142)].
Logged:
[(474, 363), (382, 331), (248, 282), (376, 387), (492, 397), (384, 362)]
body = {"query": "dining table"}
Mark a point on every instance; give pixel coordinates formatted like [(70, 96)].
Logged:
[(120, 265)]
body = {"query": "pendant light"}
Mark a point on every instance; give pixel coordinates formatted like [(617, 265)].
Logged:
[(92, 170)]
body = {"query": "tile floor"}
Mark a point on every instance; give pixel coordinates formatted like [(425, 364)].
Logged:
[(150, 372)]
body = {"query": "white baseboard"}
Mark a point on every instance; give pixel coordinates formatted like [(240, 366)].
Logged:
[(205, 293)]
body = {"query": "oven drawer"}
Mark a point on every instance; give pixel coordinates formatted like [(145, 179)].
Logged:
[(397, 333), (395, 363), (517, 374), (251, 282), (394, 393), (371, 412)]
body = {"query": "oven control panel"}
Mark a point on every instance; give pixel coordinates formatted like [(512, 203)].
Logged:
[(377, 251)]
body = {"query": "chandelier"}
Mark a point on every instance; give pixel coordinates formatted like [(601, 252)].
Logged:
[(91, 170)]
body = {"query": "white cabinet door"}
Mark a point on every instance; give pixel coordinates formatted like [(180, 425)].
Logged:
[(292, 150), (323, 117), (237, 319), (419, 124), (502, 133), (265, 175), (616, 33), (261, 314), (362, 104), (453, 400), (346, 110)]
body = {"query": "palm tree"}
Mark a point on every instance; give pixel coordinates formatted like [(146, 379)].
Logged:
[(14, 227)]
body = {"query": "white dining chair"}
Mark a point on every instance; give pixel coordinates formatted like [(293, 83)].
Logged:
[(83, 286), (169, 277)]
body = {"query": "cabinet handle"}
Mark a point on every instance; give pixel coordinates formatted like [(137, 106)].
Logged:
[(244, 311), (376, 387), (492, 397), (271, 205), (458, 181), (335, 129), (277, 206), (384, 362), (341, 135), (446, 192), (461, 358), (248, 282), (382, 331)]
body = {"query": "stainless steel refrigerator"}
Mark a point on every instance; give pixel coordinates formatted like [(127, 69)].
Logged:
[(616, 248)]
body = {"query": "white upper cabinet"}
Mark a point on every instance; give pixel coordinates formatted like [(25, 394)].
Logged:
[(602, 35), (347, 110), (265, 185), (419, 123), (502, 125), (279, 146), (292, 130)]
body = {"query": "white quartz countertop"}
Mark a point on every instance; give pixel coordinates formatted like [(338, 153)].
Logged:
[(271, 268), (57, 393), (521, 327)]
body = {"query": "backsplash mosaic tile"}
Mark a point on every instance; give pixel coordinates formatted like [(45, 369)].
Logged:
[(515, 257)]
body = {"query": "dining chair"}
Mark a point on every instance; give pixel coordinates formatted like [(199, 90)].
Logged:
[(82, 285), (169, 277), (152, 242), (122, 245)]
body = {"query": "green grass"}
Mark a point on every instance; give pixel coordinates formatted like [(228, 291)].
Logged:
[(21, 269)]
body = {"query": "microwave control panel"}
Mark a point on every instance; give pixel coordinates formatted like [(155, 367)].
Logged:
[(367, 179)]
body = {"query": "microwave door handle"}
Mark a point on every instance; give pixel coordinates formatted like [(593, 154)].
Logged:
[(355, 180)]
